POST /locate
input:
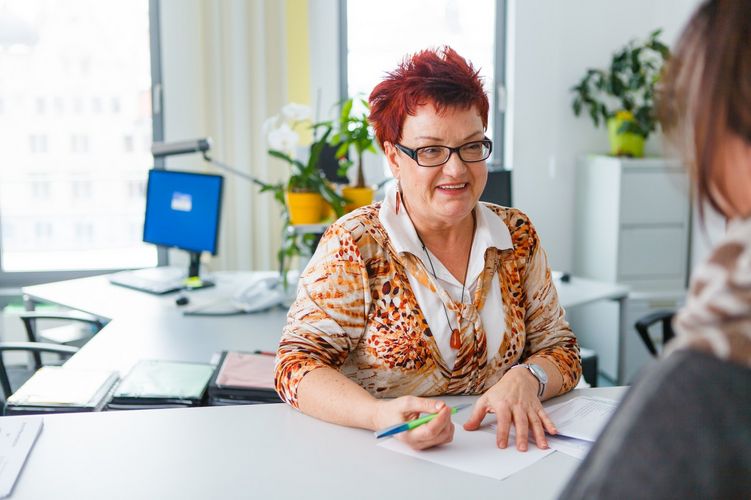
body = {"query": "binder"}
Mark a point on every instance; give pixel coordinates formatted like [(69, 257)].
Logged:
[(162, 384), (56, 389), (243, 378)]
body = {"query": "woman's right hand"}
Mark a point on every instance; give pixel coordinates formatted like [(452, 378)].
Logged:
[(438, 431)]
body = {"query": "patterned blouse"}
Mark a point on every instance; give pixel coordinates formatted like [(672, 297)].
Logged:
[(717, 316), (356, 312)]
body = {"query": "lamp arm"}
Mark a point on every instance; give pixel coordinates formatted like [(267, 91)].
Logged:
[(233, 170)]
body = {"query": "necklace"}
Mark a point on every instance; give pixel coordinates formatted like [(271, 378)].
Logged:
[(456, 338)]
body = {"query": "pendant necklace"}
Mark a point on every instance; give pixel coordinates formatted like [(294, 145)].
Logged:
[(456, 338)]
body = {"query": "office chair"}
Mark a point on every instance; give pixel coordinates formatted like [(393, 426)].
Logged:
[(642, 327), (13, 376), (83, 327)]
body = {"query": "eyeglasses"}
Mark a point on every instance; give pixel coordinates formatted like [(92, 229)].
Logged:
[(435, 156)]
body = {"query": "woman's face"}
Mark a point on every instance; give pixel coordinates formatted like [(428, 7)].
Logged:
[(731, 182), (445, 195)]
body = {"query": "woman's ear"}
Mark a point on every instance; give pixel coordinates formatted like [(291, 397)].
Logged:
[(391, 156)]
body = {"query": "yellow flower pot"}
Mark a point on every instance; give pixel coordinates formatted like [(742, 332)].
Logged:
[(627, 143), (357, 197), (305, 208)]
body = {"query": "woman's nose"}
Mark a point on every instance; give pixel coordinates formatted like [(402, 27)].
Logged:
[(455, 166)]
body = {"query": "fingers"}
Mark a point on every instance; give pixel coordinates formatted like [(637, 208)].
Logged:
[(413, 404), (521, 423), (538, 431), (503, 417), (438, 431), (546, 422), (526, 421), (478, 413)]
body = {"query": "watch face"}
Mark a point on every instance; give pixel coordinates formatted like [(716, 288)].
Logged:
[(539, 373)]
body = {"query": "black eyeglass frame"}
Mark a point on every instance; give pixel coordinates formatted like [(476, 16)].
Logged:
[(413, 153)]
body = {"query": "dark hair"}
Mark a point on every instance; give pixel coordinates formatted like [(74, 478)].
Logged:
[(706, 92), (440, 76)]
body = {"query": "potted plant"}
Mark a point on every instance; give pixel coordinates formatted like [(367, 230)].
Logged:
[(306, 194), (622, 96), (354, 134)]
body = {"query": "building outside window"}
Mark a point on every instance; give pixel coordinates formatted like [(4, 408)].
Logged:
[(60, 57)]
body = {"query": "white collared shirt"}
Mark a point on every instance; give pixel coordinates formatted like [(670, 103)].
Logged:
[(490, 232)]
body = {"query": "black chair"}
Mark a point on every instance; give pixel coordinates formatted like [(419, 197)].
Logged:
[(642, 327), (81, 329), (13, 376)]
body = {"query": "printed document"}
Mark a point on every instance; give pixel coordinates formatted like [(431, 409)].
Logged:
[(582, 417), (17, 436)]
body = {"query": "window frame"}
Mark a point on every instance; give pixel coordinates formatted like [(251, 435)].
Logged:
[(498, 113), (17, 279)]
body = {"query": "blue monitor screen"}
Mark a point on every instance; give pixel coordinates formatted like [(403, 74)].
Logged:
[(182, 210)]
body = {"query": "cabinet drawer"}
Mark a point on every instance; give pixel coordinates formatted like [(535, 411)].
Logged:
[(654, 197), (652, 252)]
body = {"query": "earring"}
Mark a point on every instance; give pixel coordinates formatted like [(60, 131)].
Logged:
[(398, 196)]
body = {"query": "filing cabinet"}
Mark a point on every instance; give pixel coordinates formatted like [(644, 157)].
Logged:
[(632, 222)]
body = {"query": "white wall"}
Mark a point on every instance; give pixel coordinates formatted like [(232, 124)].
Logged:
[(553, 42)]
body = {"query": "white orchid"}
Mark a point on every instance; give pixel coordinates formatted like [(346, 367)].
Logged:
[(296, 112), (283, 138)]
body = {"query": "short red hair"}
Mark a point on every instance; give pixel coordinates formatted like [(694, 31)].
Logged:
[(439, 76)]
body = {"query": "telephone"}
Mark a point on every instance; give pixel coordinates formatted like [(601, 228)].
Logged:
[(263, 292)]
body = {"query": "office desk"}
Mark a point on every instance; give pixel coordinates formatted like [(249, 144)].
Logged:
[(262, 451), (146, 326)]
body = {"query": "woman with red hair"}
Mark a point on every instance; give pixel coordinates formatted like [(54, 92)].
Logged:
[(429, 292)]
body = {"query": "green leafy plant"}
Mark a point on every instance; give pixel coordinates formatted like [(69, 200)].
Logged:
[(626, 88), (353, 131), (304, 178)]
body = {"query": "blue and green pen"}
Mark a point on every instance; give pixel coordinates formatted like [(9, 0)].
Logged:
[(408, 426)]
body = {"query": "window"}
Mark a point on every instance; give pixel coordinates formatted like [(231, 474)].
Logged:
[(378, 38), (37, 143), (79, 71)]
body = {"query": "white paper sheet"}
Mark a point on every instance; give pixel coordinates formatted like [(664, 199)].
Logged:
[(17, 436), (577, 448), (474, 452), (582, 417)]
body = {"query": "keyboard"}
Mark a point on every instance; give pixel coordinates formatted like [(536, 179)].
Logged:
[(157, 280)]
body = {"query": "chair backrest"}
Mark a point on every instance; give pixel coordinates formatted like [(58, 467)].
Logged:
[(643, 324), (33, 347), (30, 319)]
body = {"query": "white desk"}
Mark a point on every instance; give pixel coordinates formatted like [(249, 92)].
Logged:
[(268, 451), (263, 451), (146, 326)]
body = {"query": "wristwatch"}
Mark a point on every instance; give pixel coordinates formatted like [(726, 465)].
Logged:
[(539, 374)]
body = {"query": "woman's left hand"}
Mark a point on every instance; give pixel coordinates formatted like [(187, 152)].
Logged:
[(514, 399)]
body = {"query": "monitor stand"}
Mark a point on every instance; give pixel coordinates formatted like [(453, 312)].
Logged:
[(194, 281)]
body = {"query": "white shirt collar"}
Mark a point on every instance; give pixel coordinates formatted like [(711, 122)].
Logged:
[(491, 231)]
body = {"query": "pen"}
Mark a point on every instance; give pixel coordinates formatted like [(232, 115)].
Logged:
[(406, 426), (265, 353)]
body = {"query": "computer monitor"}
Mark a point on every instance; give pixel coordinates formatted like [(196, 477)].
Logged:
[(183, 210), (498, 188)]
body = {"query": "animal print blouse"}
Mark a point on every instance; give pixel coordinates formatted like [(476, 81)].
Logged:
[(717, 315), (356, 312)]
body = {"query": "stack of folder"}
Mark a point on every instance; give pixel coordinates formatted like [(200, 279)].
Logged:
[(243, 378), (162, 384), (56, 389)]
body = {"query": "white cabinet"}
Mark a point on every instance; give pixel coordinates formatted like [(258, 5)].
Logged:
[(632, 228), (632, 222)]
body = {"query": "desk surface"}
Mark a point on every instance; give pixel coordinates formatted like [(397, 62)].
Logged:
[(146, 326), (262, 451)]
